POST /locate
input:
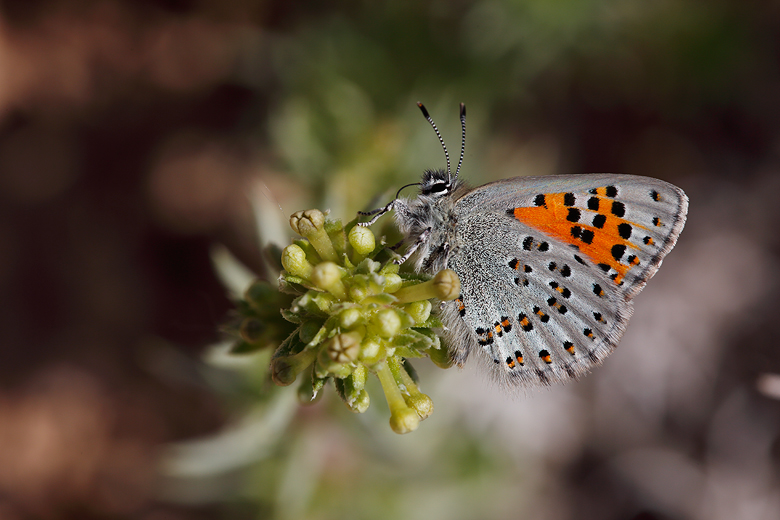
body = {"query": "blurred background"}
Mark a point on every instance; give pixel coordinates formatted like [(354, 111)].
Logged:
[(145, 145)]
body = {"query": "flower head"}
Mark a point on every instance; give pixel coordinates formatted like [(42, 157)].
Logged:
[(352, 313)]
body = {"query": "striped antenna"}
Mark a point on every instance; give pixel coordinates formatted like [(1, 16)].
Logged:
[(446, 154), (462, 138)]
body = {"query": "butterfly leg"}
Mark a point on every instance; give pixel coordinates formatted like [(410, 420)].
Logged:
[(422, 238), (443, 251), (376, 212), (397, 244)]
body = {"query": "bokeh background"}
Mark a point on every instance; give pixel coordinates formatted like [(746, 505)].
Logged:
[(149, 146)]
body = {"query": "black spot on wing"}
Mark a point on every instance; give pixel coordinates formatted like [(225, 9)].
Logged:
[(587, 236), (624, 230)]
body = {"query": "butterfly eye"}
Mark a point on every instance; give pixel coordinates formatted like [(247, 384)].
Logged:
[(437, 188)]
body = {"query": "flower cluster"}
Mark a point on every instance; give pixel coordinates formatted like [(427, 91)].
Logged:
[(354, 313)]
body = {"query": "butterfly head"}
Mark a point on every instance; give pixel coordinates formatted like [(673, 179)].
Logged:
[(437, 183)]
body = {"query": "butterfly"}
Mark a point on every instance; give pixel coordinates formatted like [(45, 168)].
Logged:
[(548, 266)]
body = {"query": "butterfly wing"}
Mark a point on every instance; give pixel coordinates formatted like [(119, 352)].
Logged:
[(549, 266)]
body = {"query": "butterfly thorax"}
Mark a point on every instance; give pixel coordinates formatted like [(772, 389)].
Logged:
[(429, 220)]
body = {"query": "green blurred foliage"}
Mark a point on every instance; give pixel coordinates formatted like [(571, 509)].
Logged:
[(345, 120)]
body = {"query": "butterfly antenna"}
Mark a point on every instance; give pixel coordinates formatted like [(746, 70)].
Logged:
[(381, 211), (446, 154), (404, 187), (462, 138)]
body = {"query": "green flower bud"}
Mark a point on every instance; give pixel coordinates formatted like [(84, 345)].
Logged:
[(359, 376), (307, 222), (420, 403), (294, 262), (415, 399), (285, 369), (326, 366), (444, 286), (327, 276), (310, 224), (419, 310), (352, 389), (404, 420), (358, 293), (361, 402), (251, 330), (393, 282), (371, 352), (362, 240), (283, 372), (344, 348), (386, 323), (447, 285), (441, 357), (348, 318)]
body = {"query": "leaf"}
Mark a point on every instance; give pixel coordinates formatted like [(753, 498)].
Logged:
[(292, 317), (290, 346), (415, 340)]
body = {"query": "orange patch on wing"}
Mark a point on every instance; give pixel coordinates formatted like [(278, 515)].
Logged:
[(552, 219)]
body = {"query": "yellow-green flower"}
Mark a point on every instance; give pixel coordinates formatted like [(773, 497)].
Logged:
[(354, 314)]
